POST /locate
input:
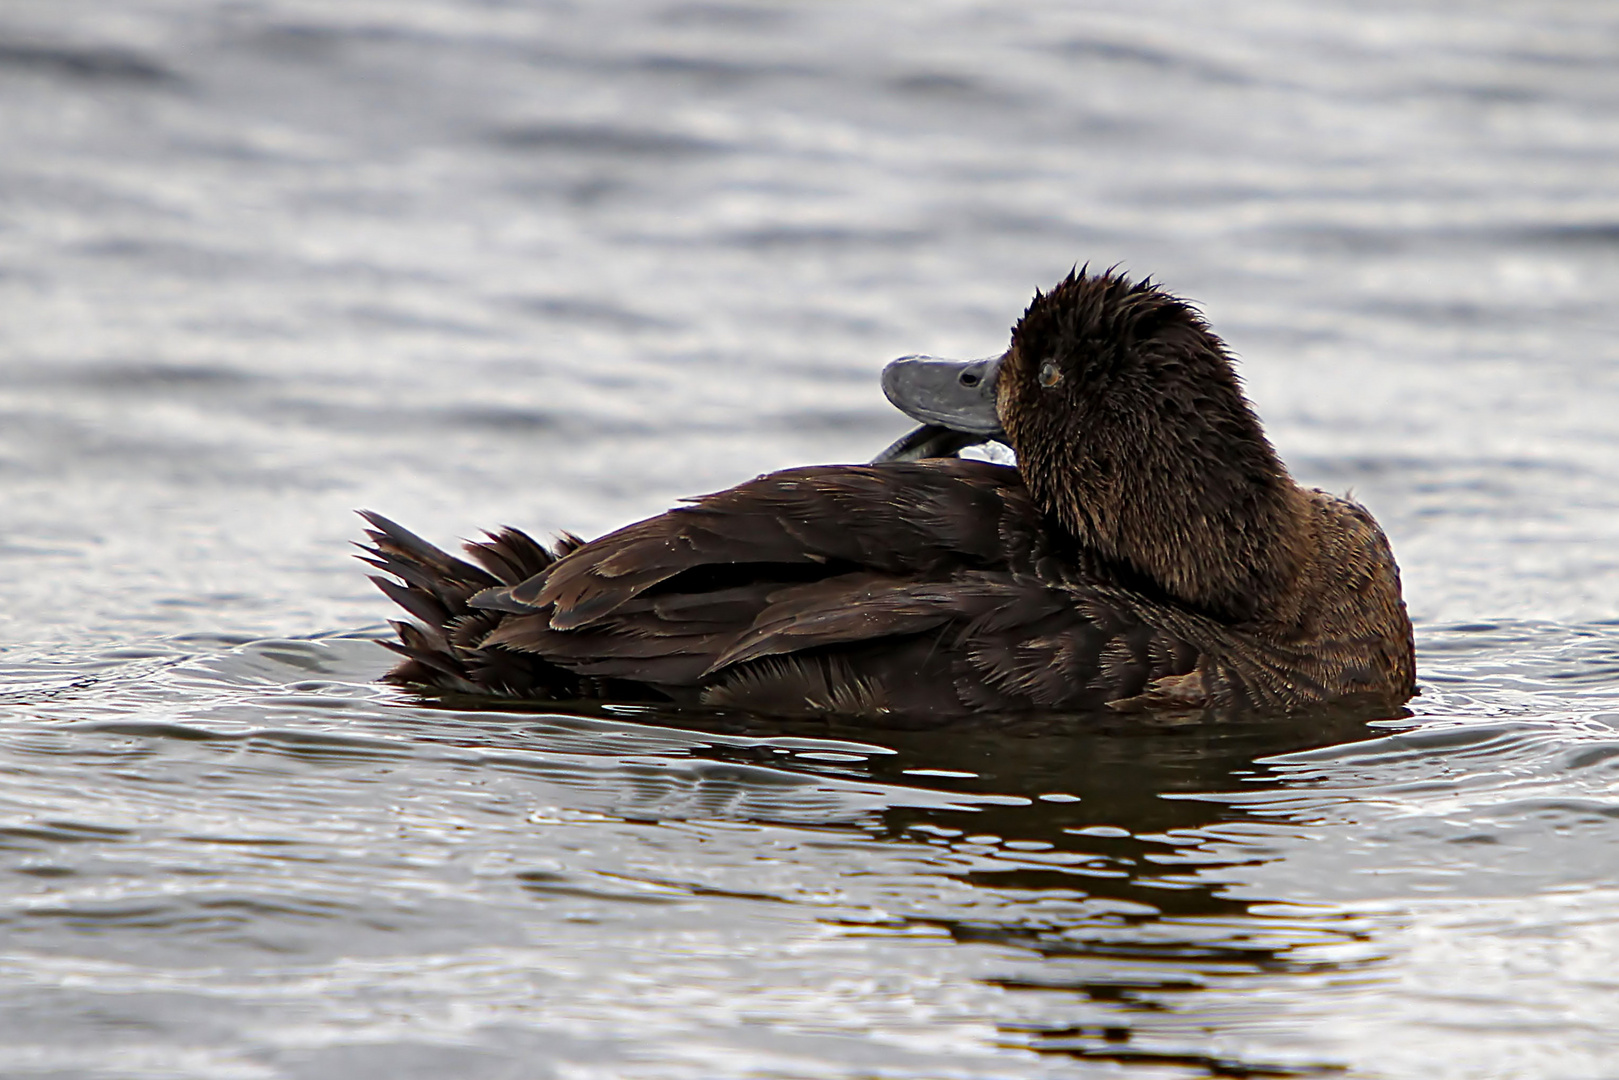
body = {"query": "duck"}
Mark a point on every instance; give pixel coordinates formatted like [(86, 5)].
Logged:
[(1147, 552)]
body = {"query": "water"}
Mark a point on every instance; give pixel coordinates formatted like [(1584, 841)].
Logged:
[(557, 265)]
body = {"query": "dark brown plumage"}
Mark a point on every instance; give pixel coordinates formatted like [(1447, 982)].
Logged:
[(1149, 551)]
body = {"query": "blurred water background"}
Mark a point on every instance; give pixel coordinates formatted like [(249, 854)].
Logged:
[(557, 264)]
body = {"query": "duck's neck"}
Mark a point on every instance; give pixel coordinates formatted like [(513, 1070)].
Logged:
[(1184, 491)]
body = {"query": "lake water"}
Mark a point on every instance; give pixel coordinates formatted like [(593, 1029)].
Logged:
[(263, 262)]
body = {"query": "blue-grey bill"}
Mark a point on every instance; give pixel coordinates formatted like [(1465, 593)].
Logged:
[(930, 441), (954, 394)]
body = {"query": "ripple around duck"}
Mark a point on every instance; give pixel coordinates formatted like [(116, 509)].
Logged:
[(1106, 883)]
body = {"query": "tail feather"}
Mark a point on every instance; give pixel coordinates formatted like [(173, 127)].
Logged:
[(400, 552), (418, 602), (443, 650), (396, 536), (427, 649), (511, 555), (411, 573)]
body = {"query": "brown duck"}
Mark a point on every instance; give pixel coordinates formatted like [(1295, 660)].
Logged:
[(1148, 551)]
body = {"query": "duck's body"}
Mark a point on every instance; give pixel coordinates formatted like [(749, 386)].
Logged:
[(1149, 552)]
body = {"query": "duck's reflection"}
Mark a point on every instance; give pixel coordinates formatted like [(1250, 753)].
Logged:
[(1097, 874), (1116, 821), (1079, 848)]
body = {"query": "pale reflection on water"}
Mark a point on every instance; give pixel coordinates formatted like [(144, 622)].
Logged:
[(478, 263)]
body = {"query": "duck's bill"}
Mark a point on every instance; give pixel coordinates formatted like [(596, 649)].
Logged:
[(930, 441), (958, 395)]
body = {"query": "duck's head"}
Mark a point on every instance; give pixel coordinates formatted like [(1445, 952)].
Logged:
[(1133, 435)]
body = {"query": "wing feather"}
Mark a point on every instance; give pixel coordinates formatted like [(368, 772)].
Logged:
[(901, 519)]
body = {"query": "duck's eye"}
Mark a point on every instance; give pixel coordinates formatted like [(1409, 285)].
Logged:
[(970, 379), (1050, 374)]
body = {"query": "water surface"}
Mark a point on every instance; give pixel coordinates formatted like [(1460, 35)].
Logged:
[(556, 265)]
